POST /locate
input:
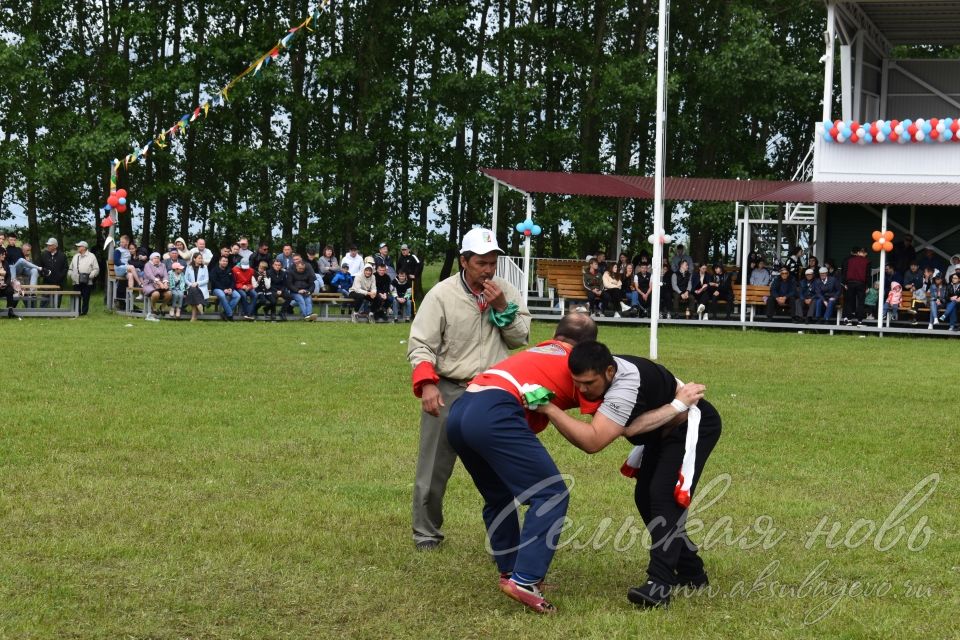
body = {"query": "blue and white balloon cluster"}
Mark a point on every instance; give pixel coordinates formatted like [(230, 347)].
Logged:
[(528, 229), (891, 131)]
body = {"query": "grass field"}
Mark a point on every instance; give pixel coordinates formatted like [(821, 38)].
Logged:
[(236, 481)]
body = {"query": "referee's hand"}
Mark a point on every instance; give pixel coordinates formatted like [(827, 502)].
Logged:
[(431, 400)]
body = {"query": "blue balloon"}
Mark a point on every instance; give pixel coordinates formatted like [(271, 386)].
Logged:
[(520, 227), (906, 123), (827, 137), (927, 127), (106, 207), (536, 230), (887, 128), (947, 135), (123, 201), (847, 132), (867, 137)]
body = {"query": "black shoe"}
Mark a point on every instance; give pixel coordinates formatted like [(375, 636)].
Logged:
[(10, 312), (283, 317), (695, 582), (650, 595), (223, 316), (230, 318), (428, 545)]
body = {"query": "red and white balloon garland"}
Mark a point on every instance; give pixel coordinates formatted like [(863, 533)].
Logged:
[(891, 131)]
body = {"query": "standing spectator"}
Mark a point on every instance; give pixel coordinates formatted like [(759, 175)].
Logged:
[(721, 289), (826, 293), (243, 283), (235, 255), (612, 289), (871, 299), (182, 249), (343, 281), (221, 281), (329, 266), (173, 255), (198, 279), (641, 283), (265, 296), (783, 294), (680, 284), (400, 289), (703, 292), (262, 254), (760, 276), (903, 254), (856, 274), (156, 286), (18, 262), (952, 300), (601, 262), (808, 295), (301, 283), (623, 260), (243, 243), (679, 256), (363, 292), (411, 264), (286, 257), (795, 262), (84, 270), (593, 285), (53, 267), (466, 324), (201, 248), (929, 258), (178, 289), (354, 261), (6, 284), (383, 257), (384, 300), (666, 291), (313, 261)]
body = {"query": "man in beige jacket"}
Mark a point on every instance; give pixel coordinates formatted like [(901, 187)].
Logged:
[(84, 270), (466, 324)]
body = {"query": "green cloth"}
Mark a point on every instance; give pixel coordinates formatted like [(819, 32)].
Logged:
[(537, 397), (505, 317)]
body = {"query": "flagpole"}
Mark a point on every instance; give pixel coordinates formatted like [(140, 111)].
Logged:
[(661, 124)]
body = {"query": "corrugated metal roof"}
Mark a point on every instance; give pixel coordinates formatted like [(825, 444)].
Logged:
[(573, 184), (934, 22), (724, 190)]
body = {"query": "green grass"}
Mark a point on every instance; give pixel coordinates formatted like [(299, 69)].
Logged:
[(236, 481)]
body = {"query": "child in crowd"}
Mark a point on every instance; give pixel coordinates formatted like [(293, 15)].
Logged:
[(342, 281), (178, 288), (871, 298), (402, 304), (892, 303)]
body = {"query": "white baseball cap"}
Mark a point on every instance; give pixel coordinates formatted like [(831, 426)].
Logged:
[(479, 241)]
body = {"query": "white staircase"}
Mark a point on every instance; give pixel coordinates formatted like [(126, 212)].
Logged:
[(801, 213)]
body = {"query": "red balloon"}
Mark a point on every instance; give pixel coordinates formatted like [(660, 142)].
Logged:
[(912, 130), (854, 138), (934, 134), (106, 222), (955, 126), (894, 123), (113, 201), (834, 132), (121, 193), (527, 232), (893, 136), (874, 130), (934, 122), (854, 125), (121, 208)]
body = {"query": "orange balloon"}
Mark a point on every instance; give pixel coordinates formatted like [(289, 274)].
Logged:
[(877, 246), (888, 236), (876, 236), (888, 246)]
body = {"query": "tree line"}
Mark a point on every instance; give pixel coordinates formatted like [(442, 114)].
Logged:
[(374, 125)]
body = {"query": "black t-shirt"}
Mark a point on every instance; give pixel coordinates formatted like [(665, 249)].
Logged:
[(658, 387)]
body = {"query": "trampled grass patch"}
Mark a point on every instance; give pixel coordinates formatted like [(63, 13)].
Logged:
[(253, 481)]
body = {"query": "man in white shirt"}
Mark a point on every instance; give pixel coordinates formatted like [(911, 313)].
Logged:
[(354, 261), (201, 248)]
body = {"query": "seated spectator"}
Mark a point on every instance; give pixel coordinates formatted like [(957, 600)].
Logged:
[(783, 295), (954, 266), (891, 305), (313, 260), (6, 284), (265, 295), (18, 262), (612, 294), (813, 263), (244, 251), (263, 253), (354, 261), (808, 295), (827, 292), (235, 255), (279, 287), (721, 289), (831, 266), (343, 281), (198, 279), (53, 267), (601, 262), (593, 285), (952, 300), (363, 292), (628, 284), (178, 289), (243, 283), (138, 260), (201, 248), (680, 285), (173, 255), (156, 286), (666, 291), (224, 288), (641, 283), (912, 278), (126, 273), (286, 257), (702, 292), (301, 284), (182, 249), (760, 276), (384, 300), (402, 303), (936, 299), (890, 276), (328, 267)]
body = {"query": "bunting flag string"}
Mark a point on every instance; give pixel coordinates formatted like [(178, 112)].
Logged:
[(220, 98)]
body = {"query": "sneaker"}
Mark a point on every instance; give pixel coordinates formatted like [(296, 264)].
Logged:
[(650, 595), (354, 317), (139, 297), (953, 328), (936, 321), (706, 316), (527, 595), (152, 318), (312, 317), (942, 319), (700, 310), (428, 545), (930, 327), (616, 314)]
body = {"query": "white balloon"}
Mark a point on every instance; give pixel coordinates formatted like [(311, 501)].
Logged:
[(920, 136), (899, 129), (652, 238), (941, 127), (881, 137), (667, 239), (841, 139)]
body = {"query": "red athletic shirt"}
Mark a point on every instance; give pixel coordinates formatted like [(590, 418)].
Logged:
[(545, 365), (242, 277)]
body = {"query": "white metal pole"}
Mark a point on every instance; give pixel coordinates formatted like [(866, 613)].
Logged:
[(883, 265), (496, 207), (830, 37), (744, 265), (526, 256), (661, 125)]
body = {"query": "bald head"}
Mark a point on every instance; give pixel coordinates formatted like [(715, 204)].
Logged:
[(575, 328)]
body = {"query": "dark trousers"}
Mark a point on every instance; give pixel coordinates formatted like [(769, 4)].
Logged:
[(611, 299), (361, 302), (489, 432), (85, 290), (853, 299), (7, 293), (791, 305), (593, 301), (673, 557), (680, 305), (266, 300), (722, 296)]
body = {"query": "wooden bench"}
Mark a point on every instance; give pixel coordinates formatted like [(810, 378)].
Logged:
[(52, 294)]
